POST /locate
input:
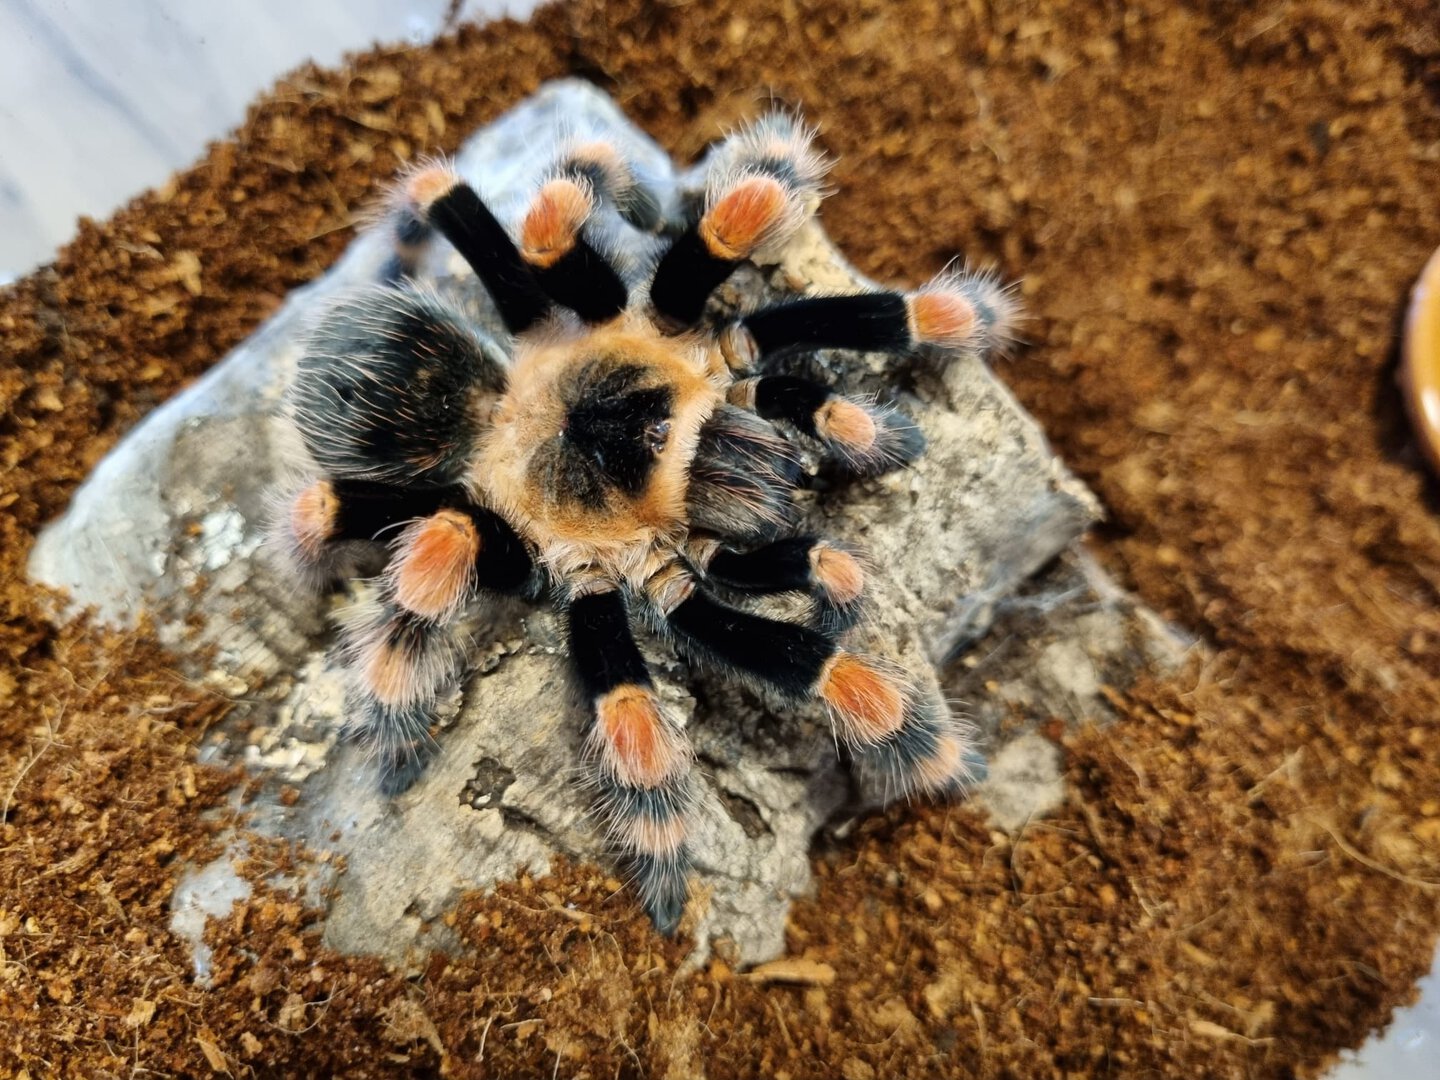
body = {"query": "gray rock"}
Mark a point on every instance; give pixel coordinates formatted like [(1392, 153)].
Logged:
[(173, 521)]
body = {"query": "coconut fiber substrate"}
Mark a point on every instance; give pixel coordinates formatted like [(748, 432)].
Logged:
[(1216, 209)]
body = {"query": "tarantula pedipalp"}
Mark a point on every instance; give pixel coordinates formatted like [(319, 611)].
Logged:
[(633, 458)]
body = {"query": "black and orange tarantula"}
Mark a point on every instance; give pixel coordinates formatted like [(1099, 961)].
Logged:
[(633, 458)]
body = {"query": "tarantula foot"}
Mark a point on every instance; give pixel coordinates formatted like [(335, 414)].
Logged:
[(661, 883), (398, 770), (398, 740), (895, 441), (929, 754)]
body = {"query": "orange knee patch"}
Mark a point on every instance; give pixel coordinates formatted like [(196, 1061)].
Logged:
[(555, 217), (738, 223), (312, 517), (437, 557), (637, 745), (942, 318), (837, 572), (869, 703), (426, 186), (845, 422)]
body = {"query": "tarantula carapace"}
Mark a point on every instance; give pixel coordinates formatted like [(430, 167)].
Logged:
[(633, 458)]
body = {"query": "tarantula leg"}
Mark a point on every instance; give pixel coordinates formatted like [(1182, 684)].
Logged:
[(642, 760), (866, 437), (409, 235), (932, 754), (808, 564), (441, 199), (888, 722), (867, 698), (763, 184), (441, 560), (873, 321), (613, 178), (400, 663), (955, 310), (568, 268), (326, 513), (405, 648)]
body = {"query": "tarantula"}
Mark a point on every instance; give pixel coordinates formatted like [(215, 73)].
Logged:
[(633, 458)]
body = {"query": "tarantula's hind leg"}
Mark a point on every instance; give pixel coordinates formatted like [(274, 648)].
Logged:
[(878, 710), (641, 757), (832, 575), (314, 525), (867, 438), (405, 647)]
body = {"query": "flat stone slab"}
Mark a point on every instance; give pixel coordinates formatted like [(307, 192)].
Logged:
[(173, 522)]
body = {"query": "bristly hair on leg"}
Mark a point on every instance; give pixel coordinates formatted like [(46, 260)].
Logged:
[(300, 517), (399, 665), (932, 753), (895, 440), (779, 145), (965, 309)]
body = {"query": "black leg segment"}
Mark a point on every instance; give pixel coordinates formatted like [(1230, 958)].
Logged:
[(781, 655), (601, 646), (464, 219), (686, 276), (870, 322), (583, 281)]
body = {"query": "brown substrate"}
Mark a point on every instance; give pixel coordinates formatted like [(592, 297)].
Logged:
[(1217, 211)]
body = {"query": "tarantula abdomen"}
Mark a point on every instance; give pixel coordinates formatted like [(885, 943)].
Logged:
[(396, 386)]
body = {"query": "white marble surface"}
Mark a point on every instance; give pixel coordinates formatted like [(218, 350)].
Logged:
[(100, 99), (1410, 1046)]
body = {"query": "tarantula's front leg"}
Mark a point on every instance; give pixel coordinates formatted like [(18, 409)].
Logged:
[(641, 757), (436, 197), (956, 310), (405, 648), (878, 711), (811, 564)]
